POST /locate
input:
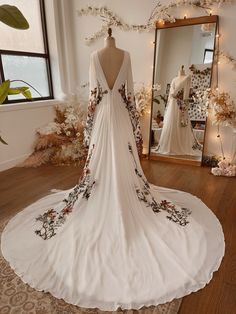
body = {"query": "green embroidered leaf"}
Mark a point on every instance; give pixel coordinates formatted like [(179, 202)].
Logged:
[(11, 16), (2, 141), (4, 87)]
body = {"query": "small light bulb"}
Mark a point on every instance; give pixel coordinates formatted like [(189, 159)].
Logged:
[(217, 35), (185, 16), (210, 12)]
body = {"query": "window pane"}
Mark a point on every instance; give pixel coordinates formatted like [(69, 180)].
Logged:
[(33, 70), (23, 40)]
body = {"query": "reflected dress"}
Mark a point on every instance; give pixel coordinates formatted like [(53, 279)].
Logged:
[(177, 137), (114, 240)]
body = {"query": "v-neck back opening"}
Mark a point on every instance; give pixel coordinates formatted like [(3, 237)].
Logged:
[(103, 74)]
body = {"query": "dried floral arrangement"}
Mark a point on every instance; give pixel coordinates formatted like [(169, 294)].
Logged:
[(223, 106), (210, 161), (143, 98), (145, 95), (60, 142), (224, 168), (160, 13)]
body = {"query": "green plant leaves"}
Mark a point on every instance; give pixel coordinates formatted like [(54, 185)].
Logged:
[(24, 90), (11, 16), (4, 87), (5, 90)]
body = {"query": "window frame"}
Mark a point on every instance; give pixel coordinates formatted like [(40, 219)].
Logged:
[(44, 55)]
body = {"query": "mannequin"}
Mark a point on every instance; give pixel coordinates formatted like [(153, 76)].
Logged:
[(111, 59), (181, 71)]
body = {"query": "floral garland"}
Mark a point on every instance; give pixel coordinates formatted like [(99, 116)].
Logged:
[(160, 13), (226, 58), (201, 72)]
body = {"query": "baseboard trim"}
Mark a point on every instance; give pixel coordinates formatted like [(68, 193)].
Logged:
[(10, 163)]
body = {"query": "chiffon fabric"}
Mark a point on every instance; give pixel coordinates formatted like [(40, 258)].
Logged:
[(114, 240)]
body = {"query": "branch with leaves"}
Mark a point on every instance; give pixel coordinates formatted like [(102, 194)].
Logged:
[(160, 13)]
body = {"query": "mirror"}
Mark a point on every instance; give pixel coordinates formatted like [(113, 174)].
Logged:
[(183, 63)]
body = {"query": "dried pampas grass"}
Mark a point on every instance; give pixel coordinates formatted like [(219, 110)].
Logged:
[(60, 142), (37, 158), (49, 140)]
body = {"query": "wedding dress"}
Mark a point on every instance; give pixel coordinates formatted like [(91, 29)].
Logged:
[(114, 240), (177, 137)]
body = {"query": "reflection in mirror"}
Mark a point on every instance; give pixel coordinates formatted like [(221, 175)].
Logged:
[(182, 72)]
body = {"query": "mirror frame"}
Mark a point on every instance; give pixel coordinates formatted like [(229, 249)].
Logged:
[(178, 23)]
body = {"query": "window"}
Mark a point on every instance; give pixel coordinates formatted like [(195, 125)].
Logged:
[(24, 54)]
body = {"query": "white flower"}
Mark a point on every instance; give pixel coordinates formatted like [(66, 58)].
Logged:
[(216, 171), (156, 87), (52, 127)]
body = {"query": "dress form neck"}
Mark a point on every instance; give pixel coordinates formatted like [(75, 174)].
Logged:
[(181, 72), (109, 42)]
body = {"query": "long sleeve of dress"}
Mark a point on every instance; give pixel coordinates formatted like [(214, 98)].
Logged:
[(95, 96), (91, 107)]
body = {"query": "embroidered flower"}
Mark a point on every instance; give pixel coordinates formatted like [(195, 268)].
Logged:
[(95, 98), (178, 215), (51, 220)]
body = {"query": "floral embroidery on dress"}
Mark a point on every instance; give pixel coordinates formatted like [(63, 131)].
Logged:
[(178, 215), (183, 105), (129, 100), (52, 219), (95, 98)]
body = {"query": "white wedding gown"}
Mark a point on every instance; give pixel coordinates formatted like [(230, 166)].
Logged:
[(177, 137), (114, 240)]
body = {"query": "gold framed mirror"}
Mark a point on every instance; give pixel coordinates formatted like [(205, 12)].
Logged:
[(184, 57)]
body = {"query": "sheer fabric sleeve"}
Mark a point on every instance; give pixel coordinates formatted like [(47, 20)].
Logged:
[(132, 108), (95, 96), (91, 108)]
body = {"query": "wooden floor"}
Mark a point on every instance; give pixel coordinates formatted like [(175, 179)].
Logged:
[(20, 187)]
